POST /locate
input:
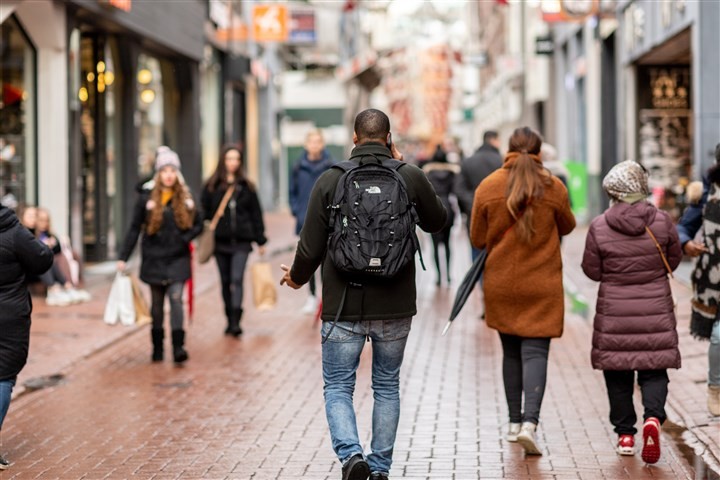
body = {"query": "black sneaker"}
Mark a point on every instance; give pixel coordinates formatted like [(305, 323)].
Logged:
[(356, 468), (379, 476), (4, 464)]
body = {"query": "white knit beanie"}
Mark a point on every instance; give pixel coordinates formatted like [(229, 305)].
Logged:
[(165, 157)]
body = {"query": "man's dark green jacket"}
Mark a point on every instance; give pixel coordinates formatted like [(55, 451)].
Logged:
[(377, 299)]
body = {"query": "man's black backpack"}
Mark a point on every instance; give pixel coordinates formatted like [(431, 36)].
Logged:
[(372, 221)]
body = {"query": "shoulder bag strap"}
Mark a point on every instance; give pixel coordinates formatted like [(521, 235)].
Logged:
[(221, 208), (659, 248)]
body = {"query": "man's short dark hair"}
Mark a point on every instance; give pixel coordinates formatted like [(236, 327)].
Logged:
[(489, 135), (372, 124)]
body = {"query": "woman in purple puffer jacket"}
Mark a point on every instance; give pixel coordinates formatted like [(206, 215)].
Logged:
[(635, 327)]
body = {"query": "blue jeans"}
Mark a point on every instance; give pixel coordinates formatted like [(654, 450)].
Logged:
[(341, 356), (6, 388), (714, 356)]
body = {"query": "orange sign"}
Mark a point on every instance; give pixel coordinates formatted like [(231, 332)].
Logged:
[(237, 33), (270, 23)]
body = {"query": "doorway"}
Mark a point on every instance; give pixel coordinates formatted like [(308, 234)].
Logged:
[(99, 129)]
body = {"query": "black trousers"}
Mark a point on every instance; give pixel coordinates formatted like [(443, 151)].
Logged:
[(232, 274), (620, 386), (524, 371)]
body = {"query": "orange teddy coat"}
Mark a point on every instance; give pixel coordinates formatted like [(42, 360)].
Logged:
[(522, 283)]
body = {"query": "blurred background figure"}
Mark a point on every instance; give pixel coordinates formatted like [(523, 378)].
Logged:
[(313, 162), (168, 220), (21, 254), (61, 291), (549, 157), (442, 177), (474, 170), (240, 225)]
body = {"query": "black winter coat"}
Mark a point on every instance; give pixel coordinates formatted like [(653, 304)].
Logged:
[(242, 221), (165, 254), (442, 178), (473, 171), (21, 254)]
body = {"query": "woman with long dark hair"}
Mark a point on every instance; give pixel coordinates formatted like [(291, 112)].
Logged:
[(240, 225), (519, 214), (166, 215)]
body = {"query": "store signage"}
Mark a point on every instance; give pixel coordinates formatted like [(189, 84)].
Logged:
[(124, 5), (544, 45), (270, 23), (302, 27)]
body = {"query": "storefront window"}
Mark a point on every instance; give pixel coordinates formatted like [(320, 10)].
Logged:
[(17, 116), (151, 109)]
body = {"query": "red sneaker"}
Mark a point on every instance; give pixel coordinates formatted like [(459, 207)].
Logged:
[(626, 445), (651, 440)]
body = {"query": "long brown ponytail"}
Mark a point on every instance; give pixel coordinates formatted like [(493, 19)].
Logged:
[(527, 179)]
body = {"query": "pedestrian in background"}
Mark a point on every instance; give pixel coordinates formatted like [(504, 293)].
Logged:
[(519, 214), (240, 225), (167, 217), (705, 320), (313, 162), (630, 249), (61, 290), (442, 177), (474, 170), (373, 308), (21, 254)]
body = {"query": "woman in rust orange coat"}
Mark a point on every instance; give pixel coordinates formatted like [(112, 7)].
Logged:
[(519, 214)]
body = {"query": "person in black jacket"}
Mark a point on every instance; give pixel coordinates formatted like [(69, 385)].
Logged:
[(241, 224), (474, 170), (21, 254), (442, 177), (379, 309), (167, 217)]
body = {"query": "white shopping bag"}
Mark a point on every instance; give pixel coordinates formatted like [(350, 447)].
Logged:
[(120, 304)]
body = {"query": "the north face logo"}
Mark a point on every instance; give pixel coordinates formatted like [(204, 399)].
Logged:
[(373, 190)]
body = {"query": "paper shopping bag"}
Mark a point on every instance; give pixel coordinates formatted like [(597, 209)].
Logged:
[(263, 286), (142, 311)]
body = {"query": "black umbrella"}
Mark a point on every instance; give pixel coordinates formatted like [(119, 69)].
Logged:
[(467, 285)]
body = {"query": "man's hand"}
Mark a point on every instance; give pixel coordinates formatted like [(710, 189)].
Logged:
[(286, 278), (120, 266), (396, 153), (694, 249), (262, 250)]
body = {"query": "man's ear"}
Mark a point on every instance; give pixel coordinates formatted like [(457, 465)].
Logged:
[(355, 138)]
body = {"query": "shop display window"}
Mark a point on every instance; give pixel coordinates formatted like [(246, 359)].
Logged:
[(17, 116)]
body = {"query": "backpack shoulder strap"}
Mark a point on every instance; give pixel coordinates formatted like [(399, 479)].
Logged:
[(345, 166)]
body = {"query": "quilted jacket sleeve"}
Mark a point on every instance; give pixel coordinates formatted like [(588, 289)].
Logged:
[(592, 262)]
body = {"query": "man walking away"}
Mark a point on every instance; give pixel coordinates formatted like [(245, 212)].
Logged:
[(360, 307), (473, 170), (313, 162)]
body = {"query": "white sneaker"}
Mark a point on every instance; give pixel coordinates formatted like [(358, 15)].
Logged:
[(512, 433), (78, 296), (58, 298), (310, 306), (526, 438)]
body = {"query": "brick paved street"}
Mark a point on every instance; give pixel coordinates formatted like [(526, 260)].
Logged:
[(252, 408)]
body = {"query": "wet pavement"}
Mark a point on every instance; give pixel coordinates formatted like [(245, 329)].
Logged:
[(252, 408)]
